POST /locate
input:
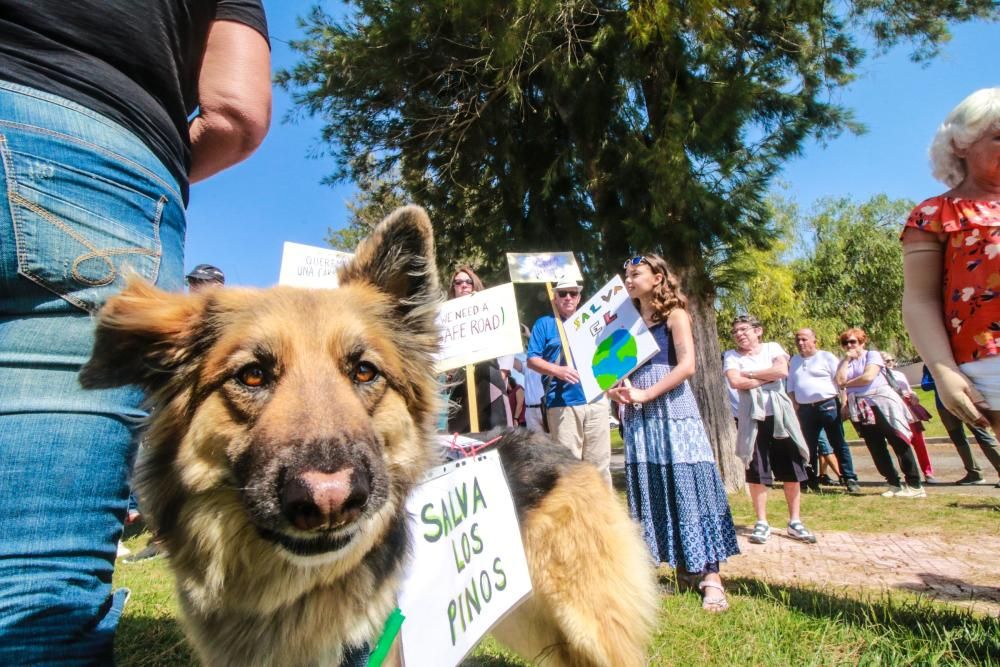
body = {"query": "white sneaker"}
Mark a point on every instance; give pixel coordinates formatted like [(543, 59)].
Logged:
[(123, 550), (799, 532), (910, 492), (761, 531), (892, 492)]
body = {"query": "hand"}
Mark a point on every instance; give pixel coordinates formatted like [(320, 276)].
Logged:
[(960, 398), (628, 395), (568, 375), (853, 353)]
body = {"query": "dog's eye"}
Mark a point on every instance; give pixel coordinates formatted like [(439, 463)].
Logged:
[(252, 376), (364, 372)]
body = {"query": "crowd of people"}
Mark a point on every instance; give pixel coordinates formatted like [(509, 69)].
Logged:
[(128, 119), (790, 410)]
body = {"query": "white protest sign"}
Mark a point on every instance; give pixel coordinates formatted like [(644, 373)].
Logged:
[(309, 266), (481, 325), (542, 267), (468, 567), (608, 339)]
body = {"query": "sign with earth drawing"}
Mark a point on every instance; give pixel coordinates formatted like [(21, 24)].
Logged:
[(608, 339)]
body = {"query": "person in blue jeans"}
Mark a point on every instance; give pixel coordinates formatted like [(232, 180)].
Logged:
[(811, 385), (96, 155)]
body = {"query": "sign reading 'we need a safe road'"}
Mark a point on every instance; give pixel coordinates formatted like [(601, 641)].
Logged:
[(477, 327)]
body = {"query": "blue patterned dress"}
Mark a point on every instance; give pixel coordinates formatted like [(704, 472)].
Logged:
[(673, 485)]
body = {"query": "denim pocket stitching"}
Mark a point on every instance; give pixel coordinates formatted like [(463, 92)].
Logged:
[(95, 253), (94, 147), (13, 196)]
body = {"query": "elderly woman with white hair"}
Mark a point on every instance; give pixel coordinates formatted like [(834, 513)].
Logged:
[(951, 251)]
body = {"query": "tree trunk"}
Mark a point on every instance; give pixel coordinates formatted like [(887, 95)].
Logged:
[(710, 388)]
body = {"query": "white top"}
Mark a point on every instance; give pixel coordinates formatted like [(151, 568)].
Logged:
[(901, 381), (506, 362), (762, 360), (856, 367), (533, 389), (811, 379)]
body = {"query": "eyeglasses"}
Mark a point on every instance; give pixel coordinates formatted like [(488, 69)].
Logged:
[(741, 330), (849, 341), (889, 360), (461, 281), (562, 294), (635, 261)]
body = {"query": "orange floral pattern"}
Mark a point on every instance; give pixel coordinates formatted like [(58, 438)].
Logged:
[(971, 271)]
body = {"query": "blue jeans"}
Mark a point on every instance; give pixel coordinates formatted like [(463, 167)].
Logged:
[(825, 416), (84, 201)]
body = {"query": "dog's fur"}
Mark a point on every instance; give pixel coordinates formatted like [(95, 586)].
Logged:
[(288, 427)]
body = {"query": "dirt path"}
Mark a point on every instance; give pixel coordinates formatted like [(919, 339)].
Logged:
[(963, 571)]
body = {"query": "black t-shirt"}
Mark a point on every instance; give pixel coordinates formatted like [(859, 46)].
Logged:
[(134, 61)]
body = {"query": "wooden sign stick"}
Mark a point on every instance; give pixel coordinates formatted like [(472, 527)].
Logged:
[(470, 392)]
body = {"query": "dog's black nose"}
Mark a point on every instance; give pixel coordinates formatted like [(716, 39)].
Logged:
[(314, 500)]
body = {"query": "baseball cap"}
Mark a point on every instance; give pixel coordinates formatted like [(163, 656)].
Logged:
[(207, 273)]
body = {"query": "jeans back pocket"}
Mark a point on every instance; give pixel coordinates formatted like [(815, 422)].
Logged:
[(78, 232)]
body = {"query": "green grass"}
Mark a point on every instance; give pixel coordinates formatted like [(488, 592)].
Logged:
[(835, 510), (767, 624)]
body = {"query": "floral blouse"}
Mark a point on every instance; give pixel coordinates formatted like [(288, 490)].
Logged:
[(971, 271)]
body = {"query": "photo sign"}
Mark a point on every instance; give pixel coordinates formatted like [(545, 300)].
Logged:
[(542, 267), (608, 339), (481, 325), (309, 266), (468, 567)]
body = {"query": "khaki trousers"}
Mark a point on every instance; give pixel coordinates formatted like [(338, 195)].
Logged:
[(585, 431)]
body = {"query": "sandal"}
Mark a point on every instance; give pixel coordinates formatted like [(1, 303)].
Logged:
[(713, 604)]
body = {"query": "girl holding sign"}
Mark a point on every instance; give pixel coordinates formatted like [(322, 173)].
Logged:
[(673, 485)]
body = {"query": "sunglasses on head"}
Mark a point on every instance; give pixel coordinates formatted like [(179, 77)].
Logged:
[(462, 281), (563, 293), (850, 341), (635, 261)]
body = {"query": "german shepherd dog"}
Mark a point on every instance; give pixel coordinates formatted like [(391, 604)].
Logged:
[(287, 428)]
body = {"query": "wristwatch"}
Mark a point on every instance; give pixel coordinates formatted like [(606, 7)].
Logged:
[(750, 375)]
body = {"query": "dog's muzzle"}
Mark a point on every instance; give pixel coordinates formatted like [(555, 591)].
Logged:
[(313, 500)]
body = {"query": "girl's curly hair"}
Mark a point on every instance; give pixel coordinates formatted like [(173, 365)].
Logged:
[(667, 295)]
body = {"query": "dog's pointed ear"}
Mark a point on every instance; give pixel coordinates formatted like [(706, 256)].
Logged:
[(141, 337), (398, 258)]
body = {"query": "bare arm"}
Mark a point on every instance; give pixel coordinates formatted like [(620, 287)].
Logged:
[(753, 379), (234, 98), (680, 332), (923, 260)]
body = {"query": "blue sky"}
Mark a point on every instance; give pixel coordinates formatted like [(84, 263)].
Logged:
[(239, 219)]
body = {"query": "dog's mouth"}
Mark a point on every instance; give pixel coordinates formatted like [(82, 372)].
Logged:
[(309, 512), (307, 546)]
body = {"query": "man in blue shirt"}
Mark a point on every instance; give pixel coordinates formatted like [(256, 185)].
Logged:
[(581, 427)]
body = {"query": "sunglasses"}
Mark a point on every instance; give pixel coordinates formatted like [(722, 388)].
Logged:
[(461, 281), (563, 293), (635, 261), (849, 341)]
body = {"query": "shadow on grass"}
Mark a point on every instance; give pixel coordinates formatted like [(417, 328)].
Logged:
[(975, 638), (976, 505), (151, 642), (951, 589)]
